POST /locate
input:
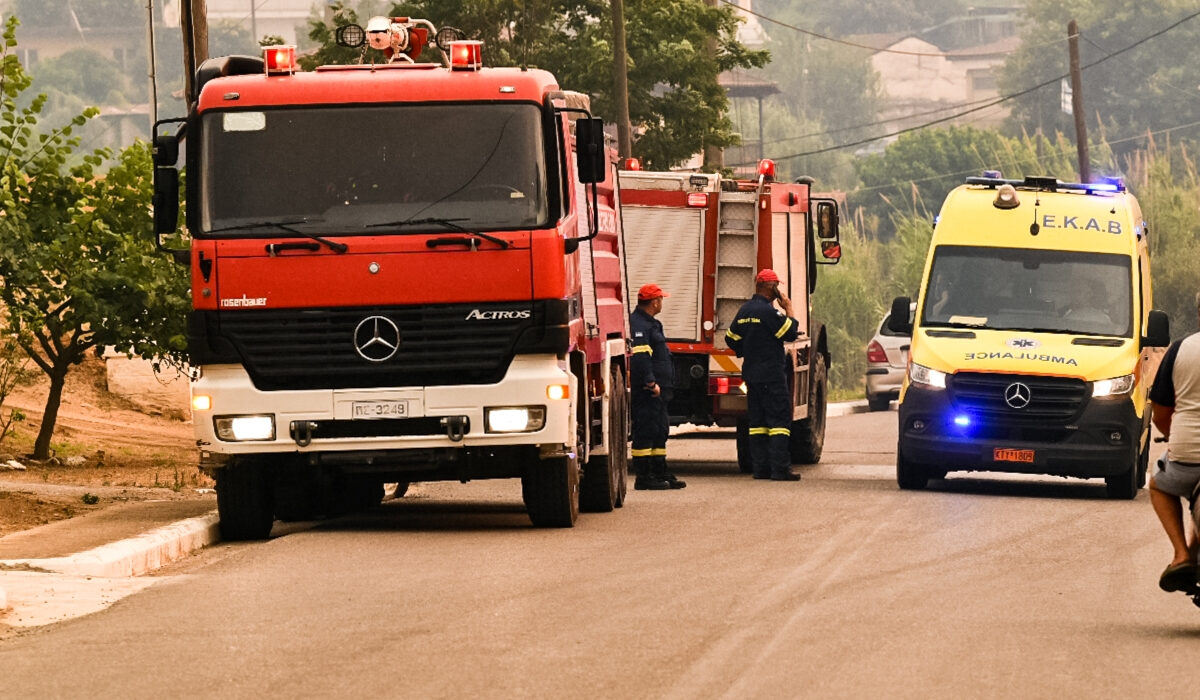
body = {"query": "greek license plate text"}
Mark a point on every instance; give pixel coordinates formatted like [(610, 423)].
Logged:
[(1010, 455), (379, 409)]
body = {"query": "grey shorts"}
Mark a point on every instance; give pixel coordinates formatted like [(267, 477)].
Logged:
[(1175, 478)]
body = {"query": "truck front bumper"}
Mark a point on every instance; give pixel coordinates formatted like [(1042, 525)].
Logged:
[(376, 421)]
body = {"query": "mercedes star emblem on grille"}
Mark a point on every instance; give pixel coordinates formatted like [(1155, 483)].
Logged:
[(1017, 395), (376, 338)]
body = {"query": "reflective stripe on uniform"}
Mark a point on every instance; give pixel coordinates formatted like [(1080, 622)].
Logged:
[(759, 431), (642, 453), (659, 452), (642, 348), (787, 323), (779, 431), (732, 336)]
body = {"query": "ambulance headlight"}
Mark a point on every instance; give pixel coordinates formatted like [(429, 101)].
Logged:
[(1113, 388), (244, 428), (514, 419), (928, 378)]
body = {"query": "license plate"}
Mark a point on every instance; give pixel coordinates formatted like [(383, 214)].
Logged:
[(363, 410), (1001, 454)]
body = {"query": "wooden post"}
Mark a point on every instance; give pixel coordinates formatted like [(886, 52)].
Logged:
[(621, 82), (1081, 140), (193, 23)]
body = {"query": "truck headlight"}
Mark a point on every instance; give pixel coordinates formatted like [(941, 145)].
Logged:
[(927, 377), (1117, 386), (514, 419), (243, 428)]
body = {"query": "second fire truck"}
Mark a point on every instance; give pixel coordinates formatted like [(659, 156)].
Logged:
[(702, 238)]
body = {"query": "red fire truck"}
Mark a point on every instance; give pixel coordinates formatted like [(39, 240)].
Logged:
[(702, 238), (401, 272)]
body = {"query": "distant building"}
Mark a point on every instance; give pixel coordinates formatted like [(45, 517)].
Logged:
[(945, 69)]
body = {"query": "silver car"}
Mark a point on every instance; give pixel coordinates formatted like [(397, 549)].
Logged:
[(887, 358)]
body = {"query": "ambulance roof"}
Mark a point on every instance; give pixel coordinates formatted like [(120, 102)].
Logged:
[(389, 83), (1063, 218)]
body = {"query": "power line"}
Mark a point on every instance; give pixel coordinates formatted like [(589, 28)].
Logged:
[(1001, 164), (1000, 100), (874, 49)]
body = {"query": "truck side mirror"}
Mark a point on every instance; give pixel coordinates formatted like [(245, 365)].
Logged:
[(590, 155), (898, 320), (1158, 330), (826, 226)]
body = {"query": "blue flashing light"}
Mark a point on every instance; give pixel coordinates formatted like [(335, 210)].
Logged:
[(994, 174), (1104, 187), (962, 421)]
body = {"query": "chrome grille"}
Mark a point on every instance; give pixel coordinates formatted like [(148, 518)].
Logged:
[(1051, 399)]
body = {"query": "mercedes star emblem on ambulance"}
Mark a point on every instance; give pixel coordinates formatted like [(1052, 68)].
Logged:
[(1017, 395)]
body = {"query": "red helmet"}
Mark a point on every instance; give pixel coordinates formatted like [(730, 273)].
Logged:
[(651, 291), (766, 275)]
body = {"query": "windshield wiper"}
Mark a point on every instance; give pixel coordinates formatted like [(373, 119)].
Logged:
[(273, 248), (957, 324), (447, 223)]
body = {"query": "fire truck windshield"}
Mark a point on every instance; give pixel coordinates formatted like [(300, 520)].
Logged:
[(1030, 290), (342, 170)]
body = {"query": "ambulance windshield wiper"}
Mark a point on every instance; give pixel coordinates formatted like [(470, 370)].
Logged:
[(447, 223), (274, 248)]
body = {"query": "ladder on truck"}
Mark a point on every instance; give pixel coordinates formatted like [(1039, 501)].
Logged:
[(737, 256)]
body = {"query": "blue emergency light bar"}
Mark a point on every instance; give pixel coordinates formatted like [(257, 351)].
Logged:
[(993, 179)]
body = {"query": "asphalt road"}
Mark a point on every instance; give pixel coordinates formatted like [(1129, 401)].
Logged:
[(837, 586)]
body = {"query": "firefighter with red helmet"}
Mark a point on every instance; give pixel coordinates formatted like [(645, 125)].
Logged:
[(757, 335), (651, 378)]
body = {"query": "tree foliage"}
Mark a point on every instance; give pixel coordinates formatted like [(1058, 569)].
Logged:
[(76, 271), (675, 102), (1150, 88)]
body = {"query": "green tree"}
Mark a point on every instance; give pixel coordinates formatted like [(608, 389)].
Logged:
[(675, 102), (83, 73), (77, 274)]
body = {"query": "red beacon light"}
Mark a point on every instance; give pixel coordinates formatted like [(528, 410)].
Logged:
[(766, 168), (633, 164), (466, 55), (697, 199), (280, 60)]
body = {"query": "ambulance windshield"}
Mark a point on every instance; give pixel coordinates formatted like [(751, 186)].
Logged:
[(327, 171), (1029, 290)]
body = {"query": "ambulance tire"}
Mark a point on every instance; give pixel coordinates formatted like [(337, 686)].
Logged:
[(745, 465), (1143, 463), (550, 489), (245, 501), (910, 476), (603, 475), (1124, 486), (808, 435)]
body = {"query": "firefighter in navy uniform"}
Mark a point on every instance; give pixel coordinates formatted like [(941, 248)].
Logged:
[(757, 335), (651, 378)]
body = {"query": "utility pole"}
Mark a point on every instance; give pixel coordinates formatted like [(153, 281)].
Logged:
[(193, 22), (621, 81), (1081, 141), (714, 156), (151, 73)]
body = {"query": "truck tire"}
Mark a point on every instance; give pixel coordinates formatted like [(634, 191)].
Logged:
[(604, 475), (910, 475), (245, 501), (808, 434), (550, 490), (745, 464), (297, 498), (1143, 463), (878, 403)]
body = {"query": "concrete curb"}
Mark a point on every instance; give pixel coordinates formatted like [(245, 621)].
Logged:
[(131, 557), (845, 408)]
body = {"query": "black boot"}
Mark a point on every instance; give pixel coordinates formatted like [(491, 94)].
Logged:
[(646, 479), (661, 472)]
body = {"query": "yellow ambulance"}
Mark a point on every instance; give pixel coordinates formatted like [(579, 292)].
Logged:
[(1029, 336)]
